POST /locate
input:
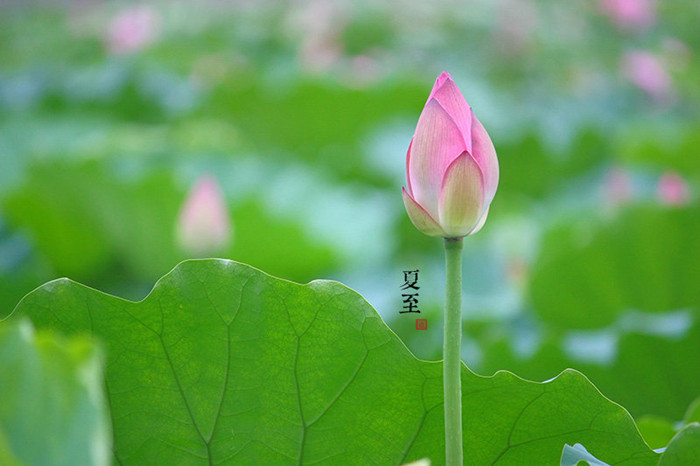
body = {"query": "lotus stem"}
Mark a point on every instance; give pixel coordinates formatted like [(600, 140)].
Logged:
[(452, 352)]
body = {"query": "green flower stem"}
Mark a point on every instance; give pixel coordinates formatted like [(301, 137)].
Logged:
[(452, 352)]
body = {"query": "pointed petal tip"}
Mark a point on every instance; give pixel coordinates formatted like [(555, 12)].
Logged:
[(444, 76), (434, 105), (450, 98)]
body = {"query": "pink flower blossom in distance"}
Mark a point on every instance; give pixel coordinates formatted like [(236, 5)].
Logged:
[(204, 225), (672, 189), (618, 187), (648, 73), (133, 29), (630, 14)]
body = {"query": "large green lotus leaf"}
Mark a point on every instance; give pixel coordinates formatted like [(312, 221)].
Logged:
[(646, 259), (53, 410), (222, 363)]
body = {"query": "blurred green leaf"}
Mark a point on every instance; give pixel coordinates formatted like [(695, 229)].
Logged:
[(647, 374), (223, 363), (98, 227), (684, 449), (83, 220), (529, 170), (321, 123), (647, 259), (6, 456), (692, 414), (657, 431), (19, 279), (669, 148), (279, 246), (589, 275), (53, 411)]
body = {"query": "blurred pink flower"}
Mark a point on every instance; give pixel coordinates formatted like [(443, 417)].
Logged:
[(204, 226), (630, 14), (517, 270), (318, 56), (517, 22), (364, 70), (648, 73), (672, 189), (317, 25), (617, 187), (133, 29)]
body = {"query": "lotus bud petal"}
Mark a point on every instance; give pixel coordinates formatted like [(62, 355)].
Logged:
[(451, 166), (204, 225)]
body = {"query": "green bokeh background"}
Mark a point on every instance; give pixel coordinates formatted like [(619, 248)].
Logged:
[(303, 113)]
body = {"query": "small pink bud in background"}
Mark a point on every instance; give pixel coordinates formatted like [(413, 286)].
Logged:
[(517, 22), (630, 14), (618, 188), (648, 73), (672, 189), (133, 29), (204, 225), (517, 271), (318, 25), (451, 166)]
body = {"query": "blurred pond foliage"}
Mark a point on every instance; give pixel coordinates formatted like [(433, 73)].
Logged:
[(110, 113)]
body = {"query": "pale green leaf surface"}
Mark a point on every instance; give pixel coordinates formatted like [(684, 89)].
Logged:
[(692, 414), (684, 449), (657, 431), (52, 408), (7, 458), (222, 363)]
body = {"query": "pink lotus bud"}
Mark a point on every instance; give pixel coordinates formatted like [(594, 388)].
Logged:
[(618, 187), (648, 73), (451, 166), (630, 14), (133, 29), (672, 189), (204, 226)]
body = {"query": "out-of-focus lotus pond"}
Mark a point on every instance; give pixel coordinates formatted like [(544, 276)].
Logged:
[(299, 115)]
